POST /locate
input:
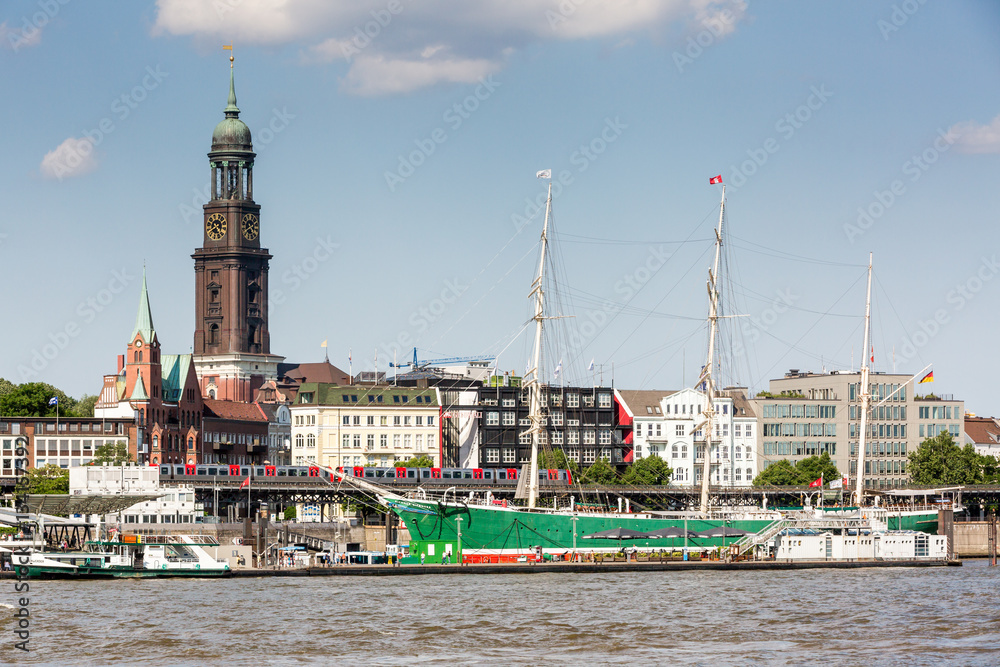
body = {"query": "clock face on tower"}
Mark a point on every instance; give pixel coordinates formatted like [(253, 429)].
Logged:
[(215, 226), (251, 226)]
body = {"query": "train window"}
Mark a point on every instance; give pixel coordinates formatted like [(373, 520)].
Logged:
[(425, 473), (258, 472), (281, 472), (202, 470), (213, 471), (487, 474), (501, 474), (164, 470), (467, 474)]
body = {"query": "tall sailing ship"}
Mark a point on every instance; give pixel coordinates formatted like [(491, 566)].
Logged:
[(495, 531)]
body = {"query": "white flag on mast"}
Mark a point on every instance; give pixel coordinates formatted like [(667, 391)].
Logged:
[(544, 173)]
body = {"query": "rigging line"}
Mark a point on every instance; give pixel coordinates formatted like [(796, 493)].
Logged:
[(625, 309), (814, 324), (696, 261), (763, 298), (645, 378), (794, 257), (638, 291), (644, 356), (595, 240), (484, 295)]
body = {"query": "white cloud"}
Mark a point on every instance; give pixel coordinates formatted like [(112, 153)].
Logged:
[(73, 157), (414, 43), (18, 38), (370, 76), (971, 137)]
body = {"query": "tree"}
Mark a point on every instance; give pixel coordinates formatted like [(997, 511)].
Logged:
[(6, 386), (422, 461), (85, 406), (600, 472), (28, 400), (806, 471), (47, 479), (940, 460), (557, 460), (290, 513), (112, 454), (648, 471), (779, 473), (815, 467)]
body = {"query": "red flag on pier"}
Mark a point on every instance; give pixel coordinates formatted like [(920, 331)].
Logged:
[(818, 482), (246, 482)]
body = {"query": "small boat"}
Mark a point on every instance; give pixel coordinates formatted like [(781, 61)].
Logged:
[(129, 556)]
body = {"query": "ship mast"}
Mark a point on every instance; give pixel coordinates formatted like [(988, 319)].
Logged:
[(865, 393), (534, 385), (706, 376)]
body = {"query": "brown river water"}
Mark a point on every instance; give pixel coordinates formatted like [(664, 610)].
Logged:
[(899, 616)]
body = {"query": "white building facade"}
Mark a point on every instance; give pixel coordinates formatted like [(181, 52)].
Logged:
[(670, 424)]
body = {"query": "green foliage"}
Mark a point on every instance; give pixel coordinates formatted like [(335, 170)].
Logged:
[(422, 461), (600, 472), (783, 394), (47, 479), (557, 460), (112, 453), (648, 471), (940, 460), (85, 406), (6, 386), (32, 400), (290, 513), (806, 471)]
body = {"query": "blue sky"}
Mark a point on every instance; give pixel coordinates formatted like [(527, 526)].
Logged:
[(394, 173)]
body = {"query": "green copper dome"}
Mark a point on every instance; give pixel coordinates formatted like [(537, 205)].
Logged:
[(232, 133)]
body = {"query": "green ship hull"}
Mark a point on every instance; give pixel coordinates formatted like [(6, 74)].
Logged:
[(488, 530)]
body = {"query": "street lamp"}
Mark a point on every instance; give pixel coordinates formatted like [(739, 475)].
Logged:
[(574, 520), (458, 522)]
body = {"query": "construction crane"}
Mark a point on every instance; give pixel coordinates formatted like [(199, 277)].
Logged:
[(447, 361)]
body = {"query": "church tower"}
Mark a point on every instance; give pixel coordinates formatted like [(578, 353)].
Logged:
[(232, 346)]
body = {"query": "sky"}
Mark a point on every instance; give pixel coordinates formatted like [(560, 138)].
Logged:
[(398, 144)]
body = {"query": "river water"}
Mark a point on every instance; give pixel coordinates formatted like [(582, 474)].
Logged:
[(904, 616)]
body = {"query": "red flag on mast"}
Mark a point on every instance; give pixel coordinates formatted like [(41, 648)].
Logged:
[(818, 482), (246, 482), (715, 179)]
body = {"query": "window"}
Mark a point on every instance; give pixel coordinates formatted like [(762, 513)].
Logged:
[(357, 420), (345, 441), (420, 442), (573, 437), (604, 400), (509, 418), (407, 441), (430, 442), (371, 419), (492, 418), (507, 402), (604, 436), (508, 455), (419, 420), (357, 440), (679, 430), (524, 437), (310, 440), (347, 420), (383, 441), (493, 456), (572, 400), (406, 420), (589, 455), (430, 420), (395, 441), (371, 441), (557, 437)]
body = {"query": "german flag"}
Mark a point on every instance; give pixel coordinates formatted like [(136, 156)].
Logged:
[(927, 378)]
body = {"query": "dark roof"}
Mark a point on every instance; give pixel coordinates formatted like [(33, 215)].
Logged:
[(982, 430), (384, 394), (323, 371), (637, 400), (741, 403), (246, 412)]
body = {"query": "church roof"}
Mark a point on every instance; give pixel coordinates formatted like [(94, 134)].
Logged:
[(139, 391), (144, 318), (174, 369), (232, 134), (233, 410)]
